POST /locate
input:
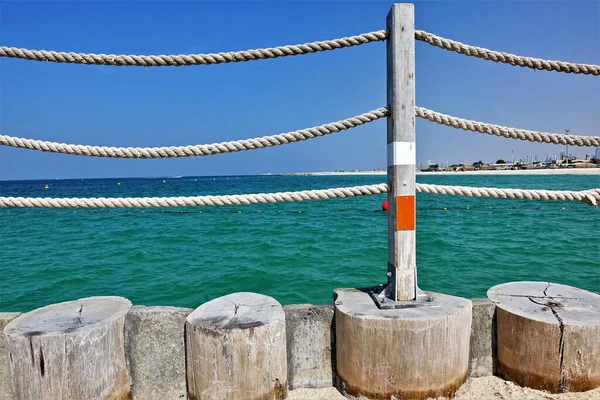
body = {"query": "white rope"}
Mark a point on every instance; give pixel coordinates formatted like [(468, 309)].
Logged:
[(295, 136), (191, 59), (591, 197), (512, 133), (227, 200), (507, 58), (195, 150)]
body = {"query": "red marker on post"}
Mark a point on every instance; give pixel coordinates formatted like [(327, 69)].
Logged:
[(384, 205)]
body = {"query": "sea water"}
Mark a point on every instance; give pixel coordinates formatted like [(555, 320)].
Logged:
[(295, 252)]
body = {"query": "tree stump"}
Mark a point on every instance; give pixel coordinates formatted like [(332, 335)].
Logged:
[(409, 353), (72, 350), (236, 349), (548, 336)]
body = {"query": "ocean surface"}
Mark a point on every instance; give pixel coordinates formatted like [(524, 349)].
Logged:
[(295, 252)]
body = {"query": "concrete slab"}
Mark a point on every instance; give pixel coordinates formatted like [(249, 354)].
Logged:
[(310, 344), (154, 344), (481, 357)]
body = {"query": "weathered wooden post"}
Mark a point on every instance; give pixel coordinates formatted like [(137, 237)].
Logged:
[(548, 336), (236, 349), (70, 351), (402, 271), (396, 340)]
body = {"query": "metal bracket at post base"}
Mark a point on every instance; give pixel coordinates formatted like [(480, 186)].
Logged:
[(382, 298)]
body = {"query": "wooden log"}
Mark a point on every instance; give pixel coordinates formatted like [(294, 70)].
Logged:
[(548, 336), (409, 353), (70, 351), (236, 349)]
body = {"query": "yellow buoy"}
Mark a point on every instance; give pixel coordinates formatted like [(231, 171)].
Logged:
[(46, 187), (118, 183), (563, 208), (259, 211), (445, 208), (239, 212)]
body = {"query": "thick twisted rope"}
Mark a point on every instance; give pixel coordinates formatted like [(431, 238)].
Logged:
[(295, 136), (195, 201), (191, 59), (195, 150), (591, 197), (507, 58), (512, 133)]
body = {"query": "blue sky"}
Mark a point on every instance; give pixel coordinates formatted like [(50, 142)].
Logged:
[(129, 106)]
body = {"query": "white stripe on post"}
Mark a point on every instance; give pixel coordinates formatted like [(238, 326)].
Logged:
[(402, 282), (401, 153)]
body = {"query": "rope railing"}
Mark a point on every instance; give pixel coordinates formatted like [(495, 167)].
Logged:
[(295, 136), (293, 50), (191, 59), (199, 149), (507, 58), (591, 197), (511, 133), (588, 196)]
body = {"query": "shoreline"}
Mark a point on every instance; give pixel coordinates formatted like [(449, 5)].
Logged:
[(570, 171)]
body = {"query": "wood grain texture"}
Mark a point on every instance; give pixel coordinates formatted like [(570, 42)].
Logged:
[(70, 351), (401, 128), (411, 353), (548, 336), (236, 349)]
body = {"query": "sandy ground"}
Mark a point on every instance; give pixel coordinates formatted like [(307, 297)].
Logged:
[(570, 171), (489, 387)]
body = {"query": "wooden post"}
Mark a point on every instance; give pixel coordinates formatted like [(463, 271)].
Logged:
[(416, 353), (236, 349), (547, 336), (402, 273), (70, 351)]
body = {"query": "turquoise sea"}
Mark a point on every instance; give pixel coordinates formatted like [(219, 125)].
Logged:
[(295, 252)]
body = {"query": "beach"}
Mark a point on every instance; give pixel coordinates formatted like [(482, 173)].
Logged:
[(489, 387), (569, 171)]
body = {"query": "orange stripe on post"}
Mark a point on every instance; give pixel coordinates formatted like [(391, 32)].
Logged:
[(405, 213)]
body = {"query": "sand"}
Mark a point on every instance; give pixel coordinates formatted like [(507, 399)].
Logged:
[(569, 171), (489, 387)]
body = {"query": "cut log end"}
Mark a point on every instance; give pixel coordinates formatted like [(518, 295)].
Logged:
[(237, 311), (68, 317)]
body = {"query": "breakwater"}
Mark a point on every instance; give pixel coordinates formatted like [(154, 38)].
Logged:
[(156, 354)]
